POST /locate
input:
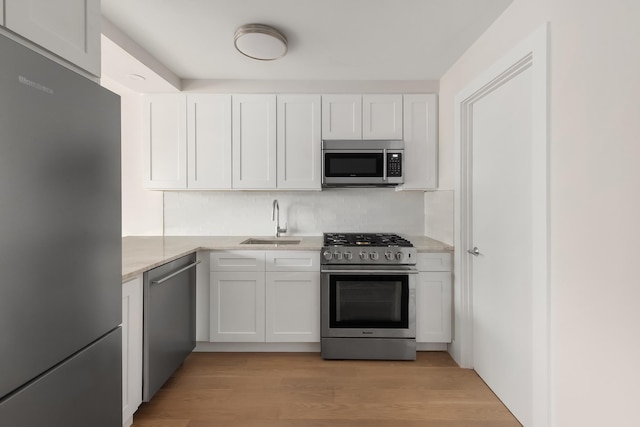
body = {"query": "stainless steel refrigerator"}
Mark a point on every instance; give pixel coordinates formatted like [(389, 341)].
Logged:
[(60, 246)]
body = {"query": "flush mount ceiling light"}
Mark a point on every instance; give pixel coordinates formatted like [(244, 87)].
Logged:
[(260, 42)]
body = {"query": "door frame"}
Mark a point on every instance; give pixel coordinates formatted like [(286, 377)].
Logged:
[(532, 54)]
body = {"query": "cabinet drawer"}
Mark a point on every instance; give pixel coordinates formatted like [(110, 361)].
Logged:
[(292, 261), (434, 262), (237, 261)]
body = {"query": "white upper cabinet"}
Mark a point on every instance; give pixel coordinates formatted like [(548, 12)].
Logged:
[(209, 141), (165, 137), (341, 117), (2, 12), (68, 28), (361, 117), (254, 141), (420, 142), (382, 117), (299, 142)]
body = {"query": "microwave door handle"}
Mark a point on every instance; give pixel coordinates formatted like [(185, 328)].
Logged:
[(384, 164)]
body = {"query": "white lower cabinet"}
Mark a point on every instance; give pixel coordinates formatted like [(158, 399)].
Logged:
[(237, 306), (434, 298), (259, 296), (293, 307), (131, 349)]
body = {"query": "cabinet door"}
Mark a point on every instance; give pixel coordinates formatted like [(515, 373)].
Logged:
[(209, 141), (433, 307), (299, 142), (131, 348), (2, 13), (420, 142), (293, 307), (237, 307), (382, 117), (254, 141), (165, 137), (69, 28), (341, 117)]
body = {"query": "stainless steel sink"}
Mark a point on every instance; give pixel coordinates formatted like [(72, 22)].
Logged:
[(274, 241)]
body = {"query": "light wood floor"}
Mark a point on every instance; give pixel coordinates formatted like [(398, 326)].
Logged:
[(302, 390)]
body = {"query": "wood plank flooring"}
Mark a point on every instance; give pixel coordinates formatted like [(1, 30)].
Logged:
[(302, 390)]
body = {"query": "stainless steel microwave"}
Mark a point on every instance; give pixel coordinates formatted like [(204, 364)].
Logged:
[(353, 163)]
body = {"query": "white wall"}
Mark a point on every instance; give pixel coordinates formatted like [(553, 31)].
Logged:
[(594, 195), (307, 213)]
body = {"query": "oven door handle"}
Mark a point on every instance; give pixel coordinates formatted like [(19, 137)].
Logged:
[(369, 271)]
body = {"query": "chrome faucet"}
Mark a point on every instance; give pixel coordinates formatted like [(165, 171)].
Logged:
[(275, 216)]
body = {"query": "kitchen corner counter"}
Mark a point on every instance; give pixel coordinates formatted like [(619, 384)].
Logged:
[(142, 253)]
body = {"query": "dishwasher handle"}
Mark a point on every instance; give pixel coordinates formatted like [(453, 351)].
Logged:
[(175, 273)]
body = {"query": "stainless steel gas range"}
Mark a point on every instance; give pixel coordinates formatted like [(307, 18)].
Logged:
[(368, 297)]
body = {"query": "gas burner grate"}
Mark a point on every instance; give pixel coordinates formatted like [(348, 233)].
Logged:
[(365, 239)]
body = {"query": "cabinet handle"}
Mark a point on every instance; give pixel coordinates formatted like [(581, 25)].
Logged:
[(384, 164), (175, 273)]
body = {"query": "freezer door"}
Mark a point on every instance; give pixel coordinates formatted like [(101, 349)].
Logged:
[(81, 392), (60, 227)]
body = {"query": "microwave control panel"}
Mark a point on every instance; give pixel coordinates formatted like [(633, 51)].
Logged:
[(394, 164)]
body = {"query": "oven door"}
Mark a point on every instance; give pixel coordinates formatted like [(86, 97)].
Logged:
[(368, 301)]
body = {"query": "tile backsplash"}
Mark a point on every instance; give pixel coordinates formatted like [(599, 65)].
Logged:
[(306, 213)]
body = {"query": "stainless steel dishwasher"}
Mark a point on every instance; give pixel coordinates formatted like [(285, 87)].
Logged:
[(169, 321)]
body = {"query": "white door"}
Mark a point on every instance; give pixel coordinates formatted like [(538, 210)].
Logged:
[(131, 347), (503, 222), (501, 275), (209, 141), (165, 138), (433, 307), (237, 306), (420, 142), (382, 117), (292, 306), (299, 142), (341, 117), (254, 141), (68, 28)]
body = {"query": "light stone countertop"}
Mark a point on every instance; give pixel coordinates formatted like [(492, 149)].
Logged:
[(142, 253)]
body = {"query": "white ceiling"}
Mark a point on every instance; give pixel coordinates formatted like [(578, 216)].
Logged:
[(328, 39)]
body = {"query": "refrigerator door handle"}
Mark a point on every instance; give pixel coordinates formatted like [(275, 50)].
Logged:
[(175, 273)]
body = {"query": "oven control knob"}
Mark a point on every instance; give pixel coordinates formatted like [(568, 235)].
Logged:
[(364, 255), (348, 256), (374, 255), (398, 256), (388, 255), (327, 255), (338, 256)]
